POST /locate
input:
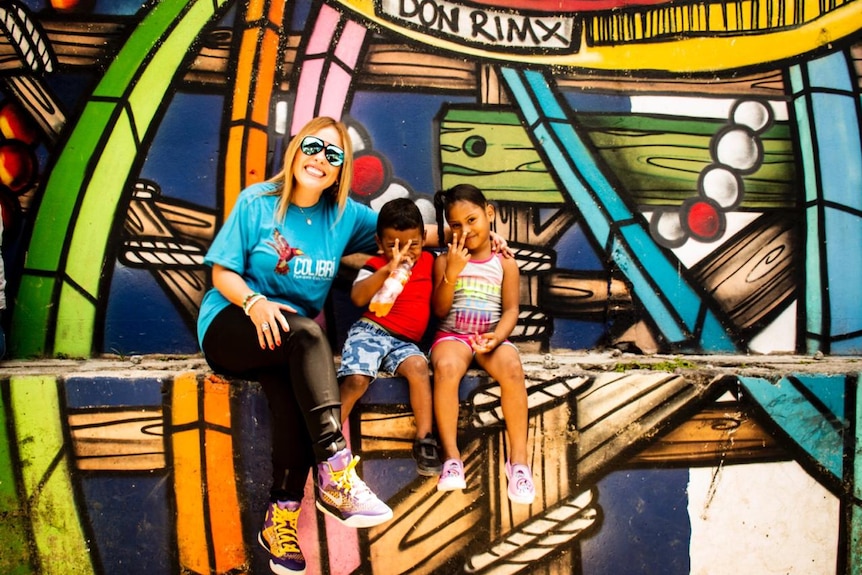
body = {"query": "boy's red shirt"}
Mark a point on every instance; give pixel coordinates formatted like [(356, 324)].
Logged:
[(411, 312)]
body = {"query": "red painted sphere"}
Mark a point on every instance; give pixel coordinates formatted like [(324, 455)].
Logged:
[(704, 220), (18, 165), (368, 175), (15, 124)]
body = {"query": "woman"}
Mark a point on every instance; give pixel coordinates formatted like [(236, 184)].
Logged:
[(273, 263)]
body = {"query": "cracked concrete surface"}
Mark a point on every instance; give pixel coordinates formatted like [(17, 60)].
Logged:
[(536, 365)]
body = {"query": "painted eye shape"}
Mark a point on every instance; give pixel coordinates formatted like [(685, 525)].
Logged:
[(475, 146)]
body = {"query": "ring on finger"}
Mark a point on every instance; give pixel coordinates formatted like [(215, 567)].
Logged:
[(264, 326)]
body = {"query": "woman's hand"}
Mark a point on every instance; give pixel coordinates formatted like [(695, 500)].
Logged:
[(500, 245), (270, 322)]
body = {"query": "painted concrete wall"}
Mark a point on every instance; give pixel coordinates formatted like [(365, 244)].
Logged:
[(673, 178), (663, 468), (679, 178)]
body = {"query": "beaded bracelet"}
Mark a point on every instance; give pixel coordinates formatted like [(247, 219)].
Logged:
[(250, 301)]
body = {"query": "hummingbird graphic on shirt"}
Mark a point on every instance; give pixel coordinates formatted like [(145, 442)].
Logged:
[(284, 251)]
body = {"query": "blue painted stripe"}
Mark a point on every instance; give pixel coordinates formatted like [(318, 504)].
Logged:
[(827, 120), (665, 275), (855, 531), (836, 126), (589, 207), (657, 282), (596, 180), (829, 72), (813, 429), (659, 310)]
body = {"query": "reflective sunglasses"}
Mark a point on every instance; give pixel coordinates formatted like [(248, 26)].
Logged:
[(312, 145)]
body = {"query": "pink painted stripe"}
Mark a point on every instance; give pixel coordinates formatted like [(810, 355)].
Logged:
[(309, 530), (306, 94), (343, 547), (350, 44), (336, 85), (335, 92), (320, 40)]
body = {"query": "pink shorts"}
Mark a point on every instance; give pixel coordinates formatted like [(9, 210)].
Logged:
[(466, 339)]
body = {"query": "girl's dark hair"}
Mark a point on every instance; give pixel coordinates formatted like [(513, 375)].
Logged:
[(399, 214), (459, 193)]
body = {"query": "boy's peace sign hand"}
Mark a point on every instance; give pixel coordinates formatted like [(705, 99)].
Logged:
[(399, 254)]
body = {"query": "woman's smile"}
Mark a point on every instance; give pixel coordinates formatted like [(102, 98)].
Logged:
[(315, 171)]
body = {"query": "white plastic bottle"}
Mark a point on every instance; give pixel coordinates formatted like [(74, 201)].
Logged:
[(382, 301)]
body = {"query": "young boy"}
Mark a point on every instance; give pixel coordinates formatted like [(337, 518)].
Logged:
[(389, 343)]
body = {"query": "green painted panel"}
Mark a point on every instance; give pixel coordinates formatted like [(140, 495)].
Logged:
[(98, 208), (46, 475), (57, 208), (15, 558), (31, 315), (657, 161), (133, 56), (75, 324)]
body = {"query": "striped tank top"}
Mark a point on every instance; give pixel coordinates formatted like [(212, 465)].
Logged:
[(478, 300)]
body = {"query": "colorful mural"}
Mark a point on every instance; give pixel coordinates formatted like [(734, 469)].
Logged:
[(676, 207), (677, 177)]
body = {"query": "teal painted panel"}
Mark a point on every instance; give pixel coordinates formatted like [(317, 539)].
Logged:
[(803, 417)]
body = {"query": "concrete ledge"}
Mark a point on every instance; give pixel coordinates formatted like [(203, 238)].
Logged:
[(538, 367), (556, 363)]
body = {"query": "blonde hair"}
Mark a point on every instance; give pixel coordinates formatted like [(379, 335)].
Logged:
[(284, 179)]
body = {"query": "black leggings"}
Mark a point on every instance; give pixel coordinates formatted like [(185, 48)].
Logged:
[(299, 381)]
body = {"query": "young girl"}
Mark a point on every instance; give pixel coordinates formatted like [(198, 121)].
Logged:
[(476, 297)]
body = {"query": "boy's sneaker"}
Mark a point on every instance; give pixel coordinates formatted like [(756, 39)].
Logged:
[(521, 488), (346, 497), (426, 456), (452, 477), (278, 537)]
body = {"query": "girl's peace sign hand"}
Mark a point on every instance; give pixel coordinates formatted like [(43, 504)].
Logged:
[(458, 255)]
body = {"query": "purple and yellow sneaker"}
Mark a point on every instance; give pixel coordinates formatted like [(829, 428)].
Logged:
[(345, 496), (279, 538)]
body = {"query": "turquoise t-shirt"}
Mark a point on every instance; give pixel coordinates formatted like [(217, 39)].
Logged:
[(292, 262)]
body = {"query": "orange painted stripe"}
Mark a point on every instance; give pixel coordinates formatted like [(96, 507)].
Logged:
[(266, 71), (184, 400), (224, 509), (246, 146), (209, 530), (188, 478)]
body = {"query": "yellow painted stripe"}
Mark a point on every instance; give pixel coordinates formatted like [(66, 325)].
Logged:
[(735, 45)]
